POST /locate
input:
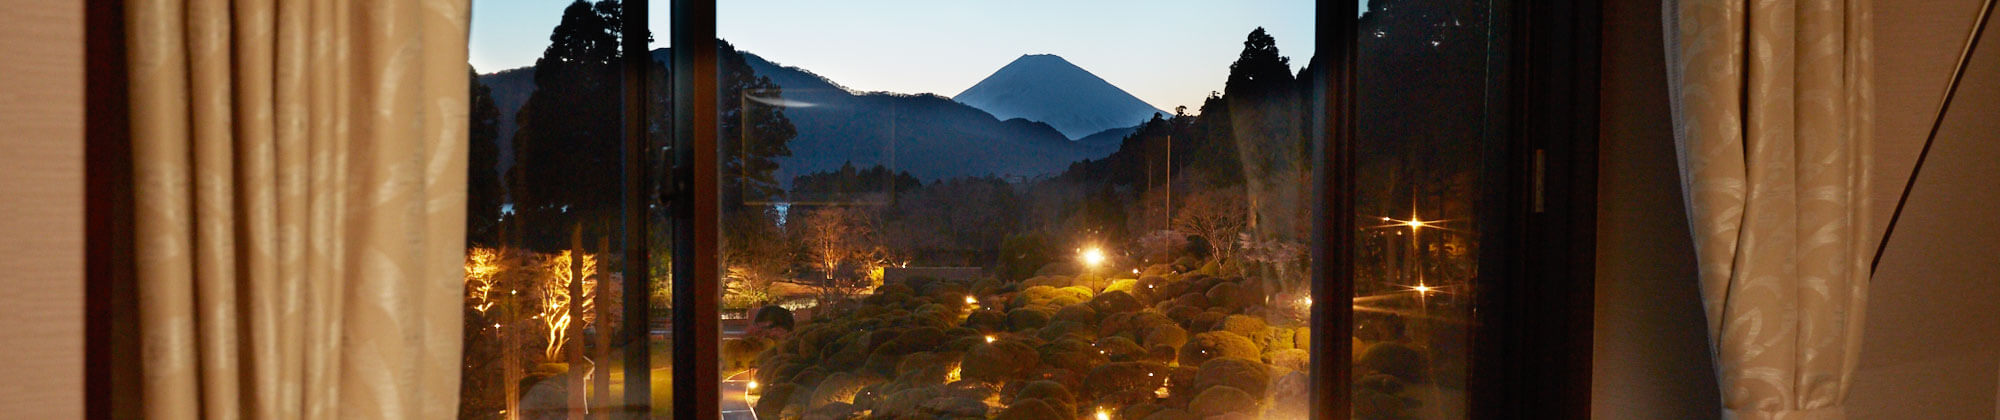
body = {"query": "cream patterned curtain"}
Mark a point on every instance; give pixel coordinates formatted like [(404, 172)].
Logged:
[(299, 169), (1773, 116)]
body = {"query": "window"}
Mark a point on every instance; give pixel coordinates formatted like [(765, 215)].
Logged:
[(1027, 210), (1021, 210), (556, 296)]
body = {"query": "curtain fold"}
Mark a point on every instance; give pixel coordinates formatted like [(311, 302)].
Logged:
[(1773, 119), (299, 188)]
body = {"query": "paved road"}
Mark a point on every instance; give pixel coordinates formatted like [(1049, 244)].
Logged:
[(736, 400)]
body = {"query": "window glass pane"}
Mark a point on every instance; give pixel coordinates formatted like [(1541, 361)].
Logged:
[(1042, 209), (1426, 139), (544, 292)]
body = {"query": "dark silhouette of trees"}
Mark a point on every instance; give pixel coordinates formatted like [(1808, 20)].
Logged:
[(1263, 102), (482, 190), (875, 184), (568, 146), (753, 136)]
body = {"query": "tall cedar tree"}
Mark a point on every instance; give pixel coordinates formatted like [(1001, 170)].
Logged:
[(1271, 143), (482, 190), (568, 145)]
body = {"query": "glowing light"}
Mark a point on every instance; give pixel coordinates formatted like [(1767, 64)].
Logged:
[(1421, 289), (1414, 223), (751, 385), (989, 339), (1093, 256), (969, 300), (1161, 393), (1103, 415), (1135, 271), (1308, 300), (496, 325)]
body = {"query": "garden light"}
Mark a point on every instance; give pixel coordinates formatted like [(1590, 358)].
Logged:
[(1093, 256), (989, 339), (751, 386), (1103, 415), (969, 300)]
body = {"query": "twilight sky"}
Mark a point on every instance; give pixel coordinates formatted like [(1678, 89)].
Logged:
[(1166, 52)]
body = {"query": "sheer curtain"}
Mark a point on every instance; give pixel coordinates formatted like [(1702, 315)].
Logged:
[(299, 188), (1773, 119)]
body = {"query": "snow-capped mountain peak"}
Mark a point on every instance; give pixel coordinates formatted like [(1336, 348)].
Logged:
[(1049, 89)]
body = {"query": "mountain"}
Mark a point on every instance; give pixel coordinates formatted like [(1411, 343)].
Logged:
[(931, 137), (1047, 88)]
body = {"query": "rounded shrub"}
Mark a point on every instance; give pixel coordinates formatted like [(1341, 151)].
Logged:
[(1248, 327), (1247, 375), (773, 317), (1291, 359), (1394, 359), (998, 361), (1121, 377), (1057, 330), (1171, 414), (1052, 280), (1049, 391), (1216, 344), (903, 404), (774, 399), (986, 320), (1167, 335), (1120, 349), (1071, 354), (1222, 400), (1081, 314), (1115, 302), (953, 408), (1027, 319), (1031, 409), (1228, 295), (1209, 320)]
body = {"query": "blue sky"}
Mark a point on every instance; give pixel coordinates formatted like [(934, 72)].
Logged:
[(1166, 52)]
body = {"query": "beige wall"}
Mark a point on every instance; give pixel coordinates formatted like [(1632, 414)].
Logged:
[(1650, 346), (1932, 347), (41, 209), (1932, 344)]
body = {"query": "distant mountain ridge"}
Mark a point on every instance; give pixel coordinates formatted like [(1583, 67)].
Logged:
[(1047, 88), (930, 136)]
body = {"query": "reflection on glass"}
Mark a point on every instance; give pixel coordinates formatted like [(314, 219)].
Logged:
[(1043, 245), (543, 292), (1424, 141)]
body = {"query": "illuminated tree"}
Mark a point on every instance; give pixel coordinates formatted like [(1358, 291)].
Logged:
[(1217, 216), (482, 265), (832, 237), (554, 303)]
